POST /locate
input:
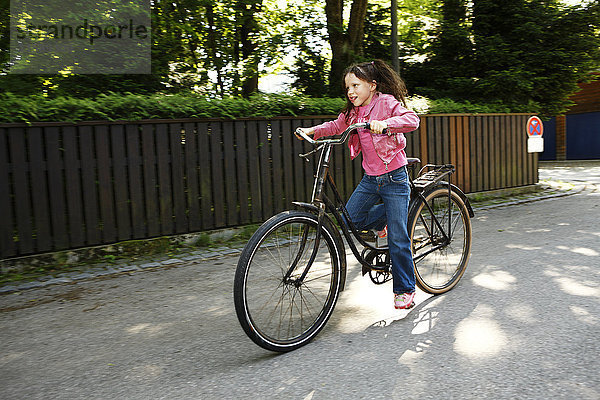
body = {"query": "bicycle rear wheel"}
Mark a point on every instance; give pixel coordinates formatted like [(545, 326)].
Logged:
[(440, 254), (276, 309)]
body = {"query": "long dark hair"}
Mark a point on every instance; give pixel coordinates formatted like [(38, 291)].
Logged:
[(388, 81)]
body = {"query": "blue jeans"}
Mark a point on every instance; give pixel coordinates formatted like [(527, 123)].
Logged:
[(393, 189)]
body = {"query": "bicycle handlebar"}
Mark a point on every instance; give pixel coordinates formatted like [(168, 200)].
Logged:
[(343, 137)]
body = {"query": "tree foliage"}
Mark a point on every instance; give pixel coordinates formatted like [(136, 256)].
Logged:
[(212, 47), (525, 54), (66, 83), (306, 36)]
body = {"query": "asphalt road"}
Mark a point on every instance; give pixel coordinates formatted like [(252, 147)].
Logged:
[(523, 323)]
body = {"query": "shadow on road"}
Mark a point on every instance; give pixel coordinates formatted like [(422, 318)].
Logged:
[(522, 323)]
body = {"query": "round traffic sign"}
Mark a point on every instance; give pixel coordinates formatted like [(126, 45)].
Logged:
[(535, 126)]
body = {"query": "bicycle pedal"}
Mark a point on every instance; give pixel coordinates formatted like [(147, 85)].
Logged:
[(367, 236)]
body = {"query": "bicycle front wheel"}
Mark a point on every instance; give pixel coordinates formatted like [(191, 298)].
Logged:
[(440, 232), (277, 308)]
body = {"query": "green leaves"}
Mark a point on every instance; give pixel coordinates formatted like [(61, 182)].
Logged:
[(523, 54), (131, 107)]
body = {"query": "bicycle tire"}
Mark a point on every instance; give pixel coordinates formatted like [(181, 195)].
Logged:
[(278, 315), (439, 270)]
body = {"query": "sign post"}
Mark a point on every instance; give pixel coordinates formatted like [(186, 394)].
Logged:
[(535, 130)]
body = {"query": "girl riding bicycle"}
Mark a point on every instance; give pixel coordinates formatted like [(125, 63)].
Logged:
[(375, 93)]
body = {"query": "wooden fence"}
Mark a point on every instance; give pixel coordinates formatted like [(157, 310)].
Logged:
[(66, 186)]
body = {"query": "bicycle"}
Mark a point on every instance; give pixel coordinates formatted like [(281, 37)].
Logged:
[(291, 271)]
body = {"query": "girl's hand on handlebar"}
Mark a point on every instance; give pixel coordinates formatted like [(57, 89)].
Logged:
[(378, 126), (306, 131)]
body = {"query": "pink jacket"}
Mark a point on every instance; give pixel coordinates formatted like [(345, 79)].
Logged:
[(383, 107)]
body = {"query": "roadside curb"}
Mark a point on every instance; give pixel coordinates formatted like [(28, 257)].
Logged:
[(574, 191), (127, 269)]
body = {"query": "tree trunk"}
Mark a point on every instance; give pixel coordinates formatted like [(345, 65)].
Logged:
[(346, 46), (248, 31), (212, 47)]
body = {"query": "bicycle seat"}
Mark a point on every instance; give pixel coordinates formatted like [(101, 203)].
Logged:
[(412, 161)]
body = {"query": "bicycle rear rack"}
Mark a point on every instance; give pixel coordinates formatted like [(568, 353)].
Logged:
[(432, 176)]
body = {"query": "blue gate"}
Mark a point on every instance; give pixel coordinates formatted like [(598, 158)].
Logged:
[(583, 136)]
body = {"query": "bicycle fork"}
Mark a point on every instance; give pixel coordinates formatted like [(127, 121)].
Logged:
[(316, 198), (298, 282)]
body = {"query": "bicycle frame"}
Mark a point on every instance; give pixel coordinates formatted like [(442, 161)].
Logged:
[(284, 314), (350, 231), (321, 203)]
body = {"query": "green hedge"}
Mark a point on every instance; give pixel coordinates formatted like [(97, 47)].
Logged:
[(135, 107), (131, 106)]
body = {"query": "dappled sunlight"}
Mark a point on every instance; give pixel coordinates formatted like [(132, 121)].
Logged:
[(426, 318), (551, 272), (523, 313), (495, 280), (410, 356), (584, 315), (424, 322), (362, 298), (479, 336), (551, 253), (138, 328), (580, 250), (219, 311), (577, 288), (586, 252), (145, 372), (589, 233), (148, 329), (580, 269), (522, 247), (541, 230)]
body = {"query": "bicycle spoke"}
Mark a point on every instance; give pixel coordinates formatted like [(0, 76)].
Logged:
[(439, 254), (315, 278), (304, 307), (455, 223), (271, 297), (278, 307), (273, 312)]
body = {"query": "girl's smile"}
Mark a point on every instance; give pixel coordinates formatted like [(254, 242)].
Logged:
[(359, 92)]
